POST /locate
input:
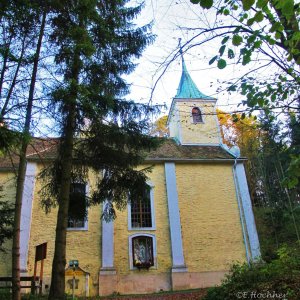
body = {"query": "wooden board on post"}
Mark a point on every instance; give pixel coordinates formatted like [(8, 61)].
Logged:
[(40, 255)]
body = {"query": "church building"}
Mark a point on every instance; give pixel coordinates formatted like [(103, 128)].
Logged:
[(196, 220)]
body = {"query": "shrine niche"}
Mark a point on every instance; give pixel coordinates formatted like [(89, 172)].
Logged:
[(77, 280), (142, 248)]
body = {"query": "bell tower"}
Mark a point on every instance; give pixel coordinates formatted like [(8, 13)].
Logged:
[(192, 118)]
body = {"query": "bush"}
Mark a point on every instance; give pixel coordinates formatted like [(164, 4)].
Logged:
[(279, 279), (5, 294)]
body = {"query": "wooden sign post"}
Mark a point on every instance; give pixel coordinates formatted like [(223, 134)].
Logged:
[(40, 255)]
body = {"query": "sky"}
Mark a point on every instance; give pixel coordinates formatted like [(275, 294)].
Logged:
[(170, 19)]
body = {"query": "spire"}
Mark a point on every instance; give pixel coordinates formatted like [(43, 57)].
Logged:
[(187, 88)]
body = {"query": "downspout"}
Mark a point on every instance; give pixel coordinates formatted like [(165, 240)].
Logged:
[(238, 196)]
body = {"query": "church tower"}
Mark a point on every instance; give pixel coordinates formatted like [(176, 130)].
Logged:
[(192, 118)]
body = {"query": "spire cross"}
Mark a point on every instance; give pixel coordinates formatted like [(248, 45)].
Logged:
[(180, 50)]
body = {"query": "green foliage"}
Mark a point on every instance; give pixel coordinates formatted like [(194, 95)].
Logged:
[(8, 139), (281, 276), (160, 127), (247, 4), (222, 63), (116, 138), (292, 175), (264, 34), (5, 294), (280, 32), (237, 40), (275, 228), (204, 3), (6, 221), (276, 208)]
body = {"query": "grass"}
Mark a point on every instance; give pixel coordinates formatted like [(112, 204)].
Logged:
[(5, 294)]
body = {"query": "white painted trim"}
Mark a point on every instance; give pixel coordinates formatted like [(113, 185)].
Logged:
[(218, 126), (242, 217), (174, 216), (199, 144), (87, 286), (26, 213), (247, 211), (195, 99), (194, 160), (86, 222), (131, 267), (226, 148), (153, 227), (107, 244), (85, 228), (178, 120)]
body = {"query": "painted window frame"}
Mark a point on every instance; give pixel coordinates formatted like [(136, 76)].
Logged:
[(86, 222), (153, 227), (201, 115), (154, 249)]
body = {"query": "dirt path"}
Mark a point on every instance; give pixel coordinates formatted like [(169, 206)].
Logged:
[(182, 295)]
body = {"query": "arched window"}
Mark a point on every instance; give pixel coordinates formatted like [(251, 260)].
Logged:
[(197, 116)]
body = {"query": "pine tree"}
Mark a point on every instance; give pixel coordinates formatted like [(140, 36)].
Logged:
[(21, 21), (95, 42)]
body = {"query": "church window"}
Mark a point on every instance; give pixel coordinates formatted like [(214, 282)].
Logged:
[(197, 115), (141, 212), (77, 215), (142, 251)]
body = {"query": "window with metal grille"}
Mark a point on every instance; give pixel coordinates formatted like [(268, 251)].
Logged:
[(197, 115), (142, 251), (141, 215), (77, 206)]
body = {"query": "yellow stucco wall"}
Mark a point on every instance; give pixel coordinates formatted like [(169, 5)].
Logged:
[(162, 232), (174, 124), (200, 133), (7, 182), (81, 245), (211, 229)]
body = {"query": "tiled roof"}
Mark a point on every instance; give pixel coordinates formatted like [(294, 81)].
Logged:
[(46, 149), (39, 148), (170, 150), (187, 89)]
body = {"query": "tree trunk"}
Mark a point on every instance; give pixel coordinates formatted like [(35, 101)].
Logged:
[(16, 290), (57, 288)]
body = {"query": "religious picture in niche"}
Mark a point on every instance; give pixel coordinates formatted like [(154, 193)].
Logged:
[(142, 247)]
